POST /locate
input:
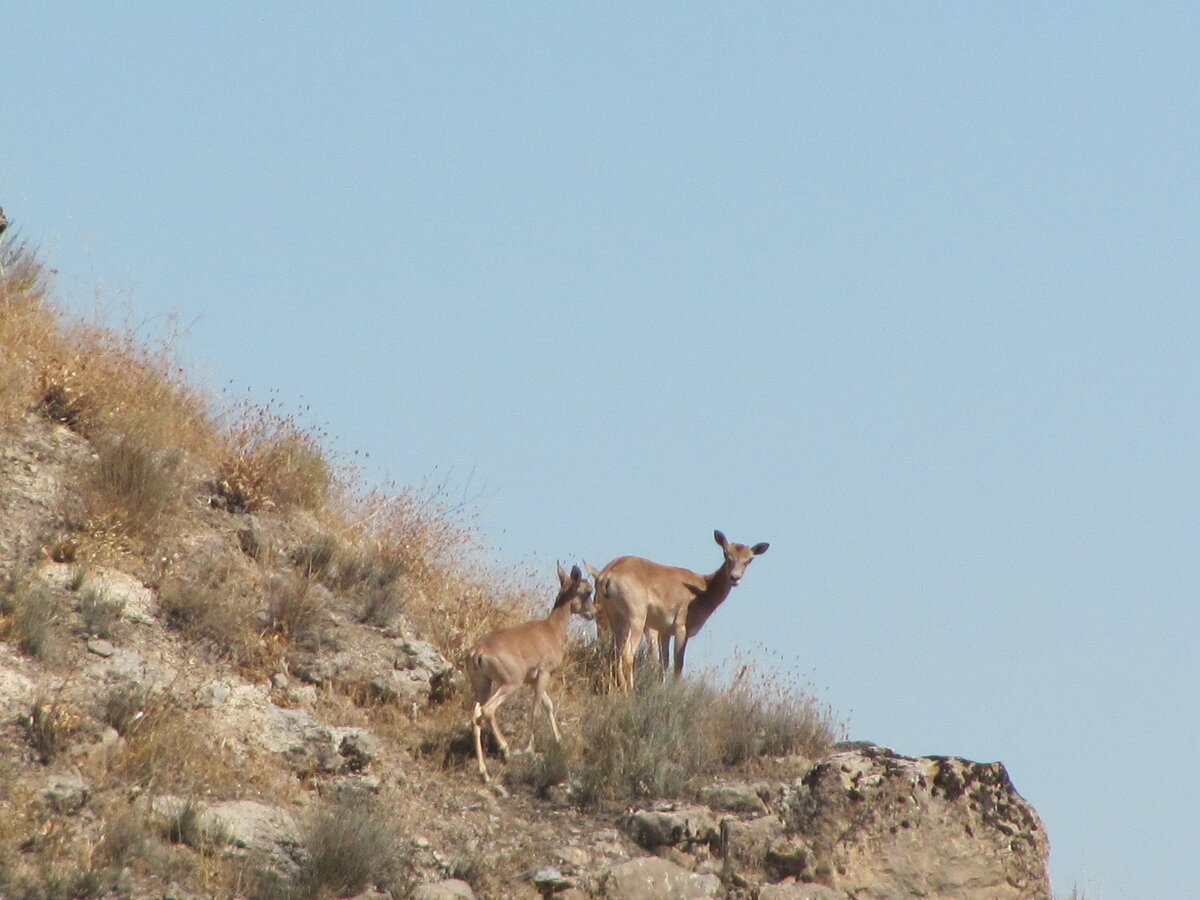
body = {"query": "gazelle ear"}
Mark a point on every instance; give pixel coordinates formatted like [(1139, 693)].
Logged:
[(562, 574), (576, 575), (759, 549), (592, 570), (719, 538)]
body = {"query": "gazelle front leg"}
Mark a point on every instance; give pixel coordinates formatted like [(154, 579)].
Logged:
[(542, 698), (681, 639)]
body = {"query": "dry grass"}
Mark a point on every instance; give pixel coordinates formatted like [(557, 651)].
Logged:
[(50, 726), (297, 612), (269, 461), (170, 749), (451, 594), (30, 616), (208, 607), (100, 613), (351, 844), (656, 740)]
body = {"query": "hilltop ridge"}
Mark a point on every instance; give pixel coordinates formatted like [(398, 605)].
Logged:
[(229, 670)]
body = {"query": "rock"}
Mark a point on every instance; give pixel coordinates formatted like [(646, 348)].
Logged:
[(882, 825), (669, 825), (450, 889), (650, 878), (16, 690), (313, 747), (135, 600), (101, 647), (798, 891), (745, 845), (573, 857), (550, 880), (66, 793), (736, 798), (250, 825)]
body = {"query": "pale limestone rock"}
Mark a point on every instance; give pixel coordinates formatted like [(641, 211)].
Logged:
[(672, 824), (450, 889), (651, 878), (882, 826), (745, 845), (745, 799), (798, 891)]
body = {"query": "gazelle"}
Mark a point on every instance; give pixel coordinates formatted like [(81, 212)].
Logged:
[(503, 660), (636, 595)]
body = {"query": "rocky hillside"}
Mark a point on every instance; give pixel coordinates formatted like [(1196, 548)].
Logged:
[(226, 671)]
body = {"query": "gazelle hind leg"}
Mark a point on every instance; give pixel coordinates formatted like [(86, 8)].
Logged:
[(488, 711), (477, 733), (541, 697)]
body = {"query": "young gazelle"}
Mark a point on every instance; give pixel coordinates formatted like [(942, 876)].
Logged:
[(636, 595), (503, 660)]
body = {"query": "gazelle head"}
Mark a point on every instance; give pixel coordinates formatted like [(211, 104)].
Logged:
[(573, 588), (738, 556)]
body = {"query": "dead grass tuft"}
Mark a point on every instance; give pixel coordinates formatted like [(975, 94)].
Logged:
[(170, 749), (50, 726), (30, 616), (134, 483), (208, 608), (269, 461), (655, 740), (351, 845), (297, 611), (101, 614)]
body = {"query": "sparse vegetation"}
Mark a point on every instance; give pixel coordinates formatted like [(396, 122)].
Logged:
[(100, 613), (296, 611), (49, 728), (350, 845), (653, 741), (257, 545), (30, 616)]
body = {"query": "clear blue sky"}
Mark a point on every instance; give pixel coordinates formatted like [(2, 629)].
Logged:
[(909, 291)]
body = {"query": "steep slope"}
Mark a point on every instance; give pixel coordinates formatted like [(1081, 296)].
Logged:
[(225, 671)]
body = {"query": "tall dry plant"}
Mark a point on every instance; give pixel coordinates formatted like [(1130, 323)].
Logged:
[(450, 590)]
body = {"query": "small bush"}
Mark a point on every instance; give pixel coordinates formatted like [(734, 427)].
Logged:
[(49, 728), (297, 612), (124, 706), (172, 749), (100, 614), (351, 845), (379, 605), (30, 614), (541, 771), (270, 462), (134, 482), (210, 612), (317, 559), (186, 825), (654, 740), (123, 839)]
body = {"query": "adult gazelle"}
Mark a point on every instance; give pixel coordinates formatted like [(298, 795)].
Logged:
[(636, 595)]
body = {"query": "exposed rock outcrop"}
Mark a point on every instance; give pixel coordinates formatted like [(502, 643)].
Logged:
[(879, 825)]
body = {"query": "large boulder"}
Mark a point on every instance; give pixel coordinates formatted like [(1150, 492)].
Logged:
[(651, 878), (879, 826)]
